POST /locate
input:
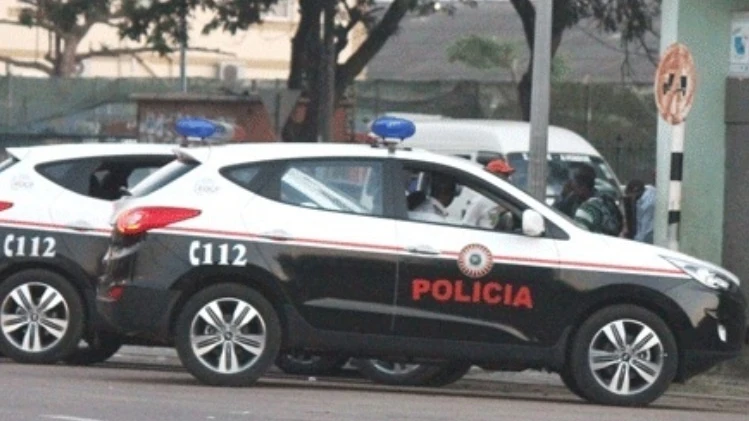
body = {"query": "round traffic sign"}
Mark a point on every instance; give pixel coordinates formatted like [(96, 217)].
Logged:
[(675, 81)]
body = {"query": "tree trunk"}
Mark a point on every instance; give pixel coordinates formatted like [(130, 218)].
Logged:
[(304, 73), (378, 36), (65, 62), (527, 14)]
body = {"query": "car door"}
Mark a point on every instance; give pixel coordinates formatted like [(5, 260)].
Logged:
[(322, 230), (81, 211), (472, 283)]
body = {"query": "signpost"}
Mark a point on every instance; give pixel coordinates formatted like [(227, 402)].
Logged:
[(674, 88)]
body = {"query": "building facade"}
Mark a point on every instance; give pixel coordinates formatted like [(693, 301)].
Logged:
[(261, 52)]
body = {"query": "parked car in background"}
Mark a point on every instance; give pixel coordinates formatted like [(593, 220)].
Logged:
[(237, 253), (55, 201)]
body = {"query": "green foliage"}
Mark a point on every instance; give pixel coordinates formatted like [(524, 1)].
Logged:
[(486, 53), (482, 52), (159, 23)]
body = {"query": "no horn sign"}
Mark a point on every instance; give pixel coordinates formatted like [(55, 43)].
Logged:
[(675, 82)]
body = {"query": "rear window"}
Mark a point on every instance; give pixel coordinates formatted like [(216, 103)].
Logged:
[(163, 176)]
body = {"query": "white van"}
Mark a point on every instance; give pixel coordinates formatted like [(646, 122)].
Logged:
[(484, 140)]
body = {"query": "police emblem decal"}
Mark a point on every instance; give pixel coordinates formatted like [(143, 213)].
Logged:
[(475, 260)]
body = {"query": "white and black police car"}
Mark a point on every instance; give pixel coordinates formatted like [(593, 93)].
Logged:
[(235, 253), (55, 201)]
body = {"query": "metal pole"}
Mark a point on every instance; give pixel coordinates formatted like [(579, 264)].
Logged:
[(674, 190), (327, 75), (540, 100), (183, 48)]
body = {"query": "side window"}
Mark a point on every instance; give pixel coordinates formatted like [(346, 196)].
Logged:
[(351, 186), (115, 176), (163, 176), (440, 197), (7, 163), (75, 175), (103, 177), (242, 175)]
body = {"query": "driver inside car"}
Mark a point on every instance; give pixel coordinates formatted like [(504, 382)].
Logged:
[(434, 207)]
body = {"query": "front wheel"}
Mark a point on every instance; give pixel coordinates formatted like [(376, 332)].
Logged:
[(41, 317), (623, 355), (228, 335)]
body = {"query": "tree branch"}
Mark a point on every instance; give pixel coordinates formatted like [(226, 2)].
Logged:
[(347, 72), (27, 64), (114, 52)]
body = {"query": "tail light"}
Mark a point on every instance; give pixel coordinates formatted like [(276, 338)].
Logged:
[(139, 220), (5, 205)]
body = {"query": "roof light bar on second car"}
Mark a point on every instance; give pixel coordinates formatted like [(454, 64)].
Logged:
[(391, 131)]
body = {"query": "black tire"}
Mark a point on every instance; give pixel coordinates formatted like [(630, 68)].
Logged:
[(396, 374), (96, 349), (569, 381), (42, 337), (222, 332), (651, 367), (309, 364), (449, 374)]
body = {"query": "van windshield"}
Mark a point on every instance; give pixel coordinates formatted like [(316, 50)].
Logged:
[(561, 168)]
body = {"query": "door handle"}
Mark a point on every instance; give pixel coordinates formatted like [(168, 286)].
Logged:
[(426, 250), (276, 235)]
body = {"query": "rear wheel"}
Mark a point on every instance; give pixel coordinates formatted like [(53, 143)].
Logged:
[(41, 317), (396, 373), (98, 348), (228, 335), (623, 355), (449, 373), (305, 364)]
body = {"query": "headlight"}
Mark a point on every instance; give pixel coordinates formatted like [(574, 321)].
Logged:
[(711, 277)]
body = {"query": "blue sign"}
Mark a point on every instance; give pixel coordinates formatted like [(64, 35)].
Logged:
[(393, 127), (195, 127)]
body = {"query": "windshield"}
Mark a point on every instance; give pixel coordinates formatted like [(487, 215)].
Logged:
[(561, 168)]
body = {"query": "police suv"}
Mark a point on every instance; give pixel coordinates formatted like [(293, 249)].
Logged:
[(55, 201), (235, 253)]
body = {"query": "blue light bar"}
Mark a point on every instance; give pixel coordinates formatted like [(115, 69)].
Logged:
[(393, 127), (195, 127)]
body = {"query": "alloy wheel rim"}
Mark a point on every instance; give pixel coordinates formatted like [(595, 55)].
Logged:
[(34, 317), (626, 357), (394, 368), (228, 335)]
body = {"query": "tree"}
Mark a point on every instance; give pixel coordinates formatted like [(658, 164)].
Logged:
[(380, 23), (487, 53), (633, 19), (160, 22)]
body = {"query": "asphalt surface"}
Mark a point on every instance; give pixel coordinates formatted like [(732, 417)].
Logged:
[(144, 384)]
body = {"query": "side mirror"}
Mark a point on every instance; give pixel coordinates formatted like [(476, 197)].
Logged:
[(533, 223)]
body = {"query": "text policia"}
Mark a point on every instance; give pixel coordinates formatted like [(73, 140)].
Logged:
[(492, 292)]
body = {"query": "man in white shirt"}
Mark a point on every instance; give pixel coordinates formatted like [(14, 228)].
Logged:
[(434, 207), (644, 197), (482, 211)]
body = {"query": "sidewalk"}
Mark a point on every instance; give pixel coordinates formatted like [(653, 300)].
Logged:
[(719, 386)]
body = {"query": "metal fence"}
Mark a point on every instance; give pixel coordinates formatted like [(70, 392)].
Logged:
[(618, 119)]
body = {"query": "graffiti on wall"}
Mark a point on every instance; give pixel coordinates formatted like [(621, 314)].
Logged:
[(158, 127)]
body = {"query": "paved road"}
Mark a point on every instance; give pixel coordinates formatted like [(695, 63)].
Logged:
[(131, 391)]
